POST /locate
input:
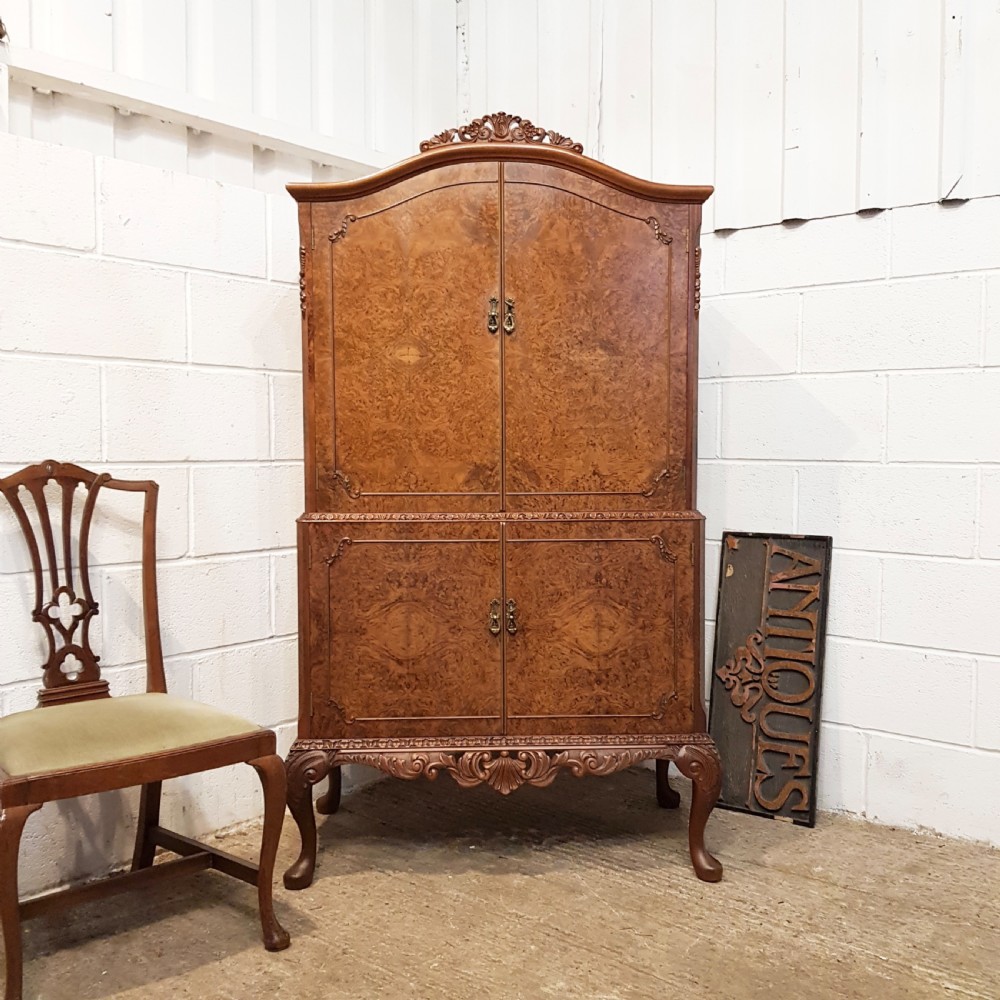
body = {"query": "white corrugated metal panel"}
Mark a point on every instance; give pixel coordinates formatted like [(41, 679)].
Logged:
[(792, 108)]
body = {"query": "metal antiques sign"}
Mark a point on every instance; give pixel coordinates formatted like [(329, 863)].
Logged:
[(767, 671)]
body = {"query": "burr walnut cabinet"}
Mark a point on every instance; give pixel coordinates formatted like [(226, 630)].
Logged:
[(500, 563)]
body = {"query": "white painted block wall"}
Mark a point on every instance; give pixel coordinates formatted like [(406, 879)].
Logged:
[(149, 326), (850, 386)]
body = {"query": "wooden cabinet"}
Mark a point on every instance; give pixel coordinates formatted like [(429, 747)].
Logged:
[(500, 560)]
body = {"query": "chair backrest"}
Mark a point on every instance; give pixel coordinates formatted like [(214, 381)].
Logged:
[(64, 603)]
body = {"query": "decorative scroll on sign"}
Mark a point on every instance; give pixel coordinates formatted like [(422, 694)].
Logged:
[(767, 671)]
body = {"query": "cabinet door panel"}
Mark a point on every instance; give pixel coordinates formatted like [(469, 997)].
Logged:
[(607, 628), (597, 401), (398, 640), (414, 376)]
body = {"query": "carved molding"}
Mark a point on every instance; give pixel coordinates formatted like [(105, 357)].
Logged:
[(697, 280), (561, 515), (662, 479), (302, 280), (504, 770), (700, 762), (339, 234), (338, 552), (665, 553), (660, 236), (453, 744), (345, 481), (500, 127)]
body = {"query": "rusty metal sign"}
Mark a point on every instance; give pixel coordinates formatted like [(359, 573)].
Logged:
[(767, 671)]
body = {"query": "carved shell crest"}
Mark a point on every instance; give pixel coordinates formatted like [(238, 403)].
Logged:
[(500, 127)]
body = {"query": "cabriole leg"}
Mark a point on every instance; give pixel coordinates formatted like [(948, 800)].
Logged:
[(666, 797), (271, 770), (304, 769), (11, 824), (700, 763), (327, 805)]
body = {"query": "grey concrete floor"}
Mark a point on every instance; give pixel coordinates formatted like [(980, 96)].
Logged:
[(581, 890)]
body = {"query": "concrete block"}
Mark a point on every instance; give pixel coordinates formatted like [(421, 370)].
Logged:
[(49, 409), (204, 604), (749, 335), (818, 252), (934, 239), (48, 194), (989, 515), (929, 786), (895, 508), (813, 418), (713, 265), (897, 689), (84, 305), (23, 648), (116, 533), (246, 324), (177, 414), (286, 403), (941, 604), (987, 704), (242, 508), (284, 590), (172, 218), (855, 594), (737, 497), (283, 237), (258, 682), (708, 420), (947, 417), (840, 785), (713, 556), (929, 323), (992, 351)]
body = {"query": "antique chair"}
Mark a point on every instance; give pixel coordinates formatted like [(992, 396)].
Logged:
[(80, 740)]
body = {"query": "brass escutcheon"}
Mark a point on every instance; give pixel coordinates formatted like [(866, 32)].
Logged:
[(508, 319), (495, 616), (511, 618), (493, 322)]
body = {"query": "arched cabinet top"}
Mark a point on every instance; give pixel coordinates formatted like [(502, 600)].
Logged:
[(484, 140)]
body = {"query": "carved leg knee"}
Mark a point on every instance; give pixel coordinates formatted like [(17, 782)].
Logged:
[(700, 762), (304, 769)]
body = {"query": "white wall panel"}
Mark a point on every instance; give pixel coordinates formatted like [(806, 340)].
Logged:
[(434, 67), (150, 41), (749, 124), (79, 30), (564, 84), (390, 75), (821, 110), (514, 59), (626, 96), (683, 87)]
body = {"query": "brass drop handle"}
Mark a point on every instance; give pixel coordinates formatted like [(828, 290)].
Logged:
[(508, 316), (495, 616), (493, 322), (511, 618)]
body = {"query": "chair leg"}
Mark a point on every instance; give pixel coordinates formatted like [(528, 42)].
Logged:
[(149, 816), (11, 824), (271, 770), (701, 764)]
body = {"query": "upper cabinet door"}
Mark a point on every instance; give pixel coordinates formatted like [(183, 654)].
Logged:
[(406, 369), (597, 400)]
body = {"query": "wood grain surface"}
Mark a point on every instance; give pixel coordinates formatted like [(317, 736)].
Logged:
[(398, 629), (594, 409)]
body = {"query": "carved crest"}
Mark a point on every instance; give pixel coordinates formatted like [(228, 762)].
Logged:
[(500, 127)]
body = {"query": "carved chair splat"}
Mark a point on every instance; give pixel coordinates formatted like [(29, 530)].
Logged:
[(84, 741)]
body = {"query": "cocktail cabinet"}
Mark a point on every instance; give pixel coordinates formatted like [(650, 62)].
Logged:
[(500, 562)]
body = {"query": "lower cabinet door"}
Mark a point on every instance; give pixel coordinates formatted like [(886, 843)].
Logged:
[(606, 627), (402, 635)]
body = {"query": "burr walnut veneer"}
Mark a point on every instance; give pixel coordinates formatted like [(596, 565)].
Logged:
[(500, 563)]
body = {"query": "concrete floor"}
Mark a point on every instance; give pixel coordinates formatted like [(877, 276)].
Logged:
[(582, 890)]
